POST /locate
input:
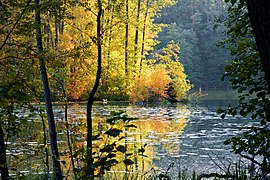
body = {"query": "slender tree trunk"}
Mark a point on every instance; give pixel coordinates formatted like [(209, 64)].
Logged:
[(137, 33), (45, 144), (56, 23), (47, 95), (67, 128), (144, 32), (3, 159), (259, 13), (126, 156), (89, 155), (126, 40), (62, 15)]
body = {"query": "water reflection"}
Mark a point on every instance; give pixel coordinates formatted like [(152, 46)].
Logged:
[(187, 136)]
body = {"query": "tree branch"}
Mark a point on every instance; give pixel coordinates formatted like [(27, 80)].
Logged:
[(9, 33)]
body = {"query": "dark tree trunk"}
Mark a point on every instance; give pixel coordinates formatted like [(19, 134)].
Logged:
[(3, 160), (56, 23), (89, 156), (47, 95), (259, 13), (126, 40), (137, 33)]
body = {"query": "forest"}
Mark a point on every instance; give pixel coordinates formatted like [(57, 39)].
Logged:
[(101, 89)]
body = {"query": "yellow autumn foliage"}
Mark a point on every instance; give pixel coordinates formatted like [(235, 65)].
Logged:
[(152, 83)]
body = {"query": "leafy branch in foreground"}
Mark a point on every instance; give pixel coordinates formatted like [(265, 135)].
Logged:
[(245, 73), (109, 146)]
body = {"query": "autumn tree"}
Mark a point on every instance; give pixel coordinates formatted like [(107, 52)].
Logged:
[(15, 92), (163, 77)]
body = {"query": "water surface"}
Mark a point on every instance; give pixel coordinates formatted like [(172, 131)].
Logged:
[(175, 136)]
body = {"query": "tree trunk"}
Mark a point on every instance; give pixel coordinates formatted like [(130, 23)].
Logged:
[(89, 156), (126, 40), (56, 23), (144, 32), (259, 13), (137, 33), (47, 95), (3, 160)]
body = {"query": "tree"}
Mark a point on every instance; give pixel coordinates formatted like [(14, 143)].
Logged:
[(12, 97), (3, 160), (245, 72), (126, 38), (191, 23), (260, 19), (163, 78), (89, 155), (47, 95)]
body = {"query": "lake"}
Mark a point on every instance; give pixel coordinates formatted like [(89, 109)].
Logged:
[(175, 137)]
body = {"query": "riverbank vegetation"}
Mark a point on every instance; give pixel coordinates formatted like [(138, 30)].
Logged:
[(248, 74)]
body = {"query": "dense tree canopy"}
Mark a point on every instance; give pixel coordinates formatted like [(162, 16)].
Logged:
[(191, 23)]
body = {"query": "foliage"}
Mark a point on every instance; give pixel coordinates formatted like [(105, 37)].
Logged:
[(166, 79), (191, 24), (110, 145), (12, 98), (246, 76), (69, 54)]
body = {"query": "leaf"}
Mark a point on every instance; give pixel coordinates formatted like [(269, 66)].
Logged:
[(128, 162), (107, 148), (141, 150), (261, 94), (94, 138), (233, 2), (129, 154), (111, 155), (113, 132), (111, 162), (241, 89), (123, 137), (121, 148), (131, 125), (222, 116), (220, 111)]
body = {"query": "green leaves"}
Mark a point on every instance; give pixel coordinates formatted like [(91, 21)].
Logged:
[(113, 132), (109, 149), (121, 149), (128, 162), (246, 77), (119, 116)]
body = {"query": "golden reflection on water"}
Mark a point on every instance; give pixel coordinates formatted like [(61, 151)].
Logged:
[(158, 131)]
